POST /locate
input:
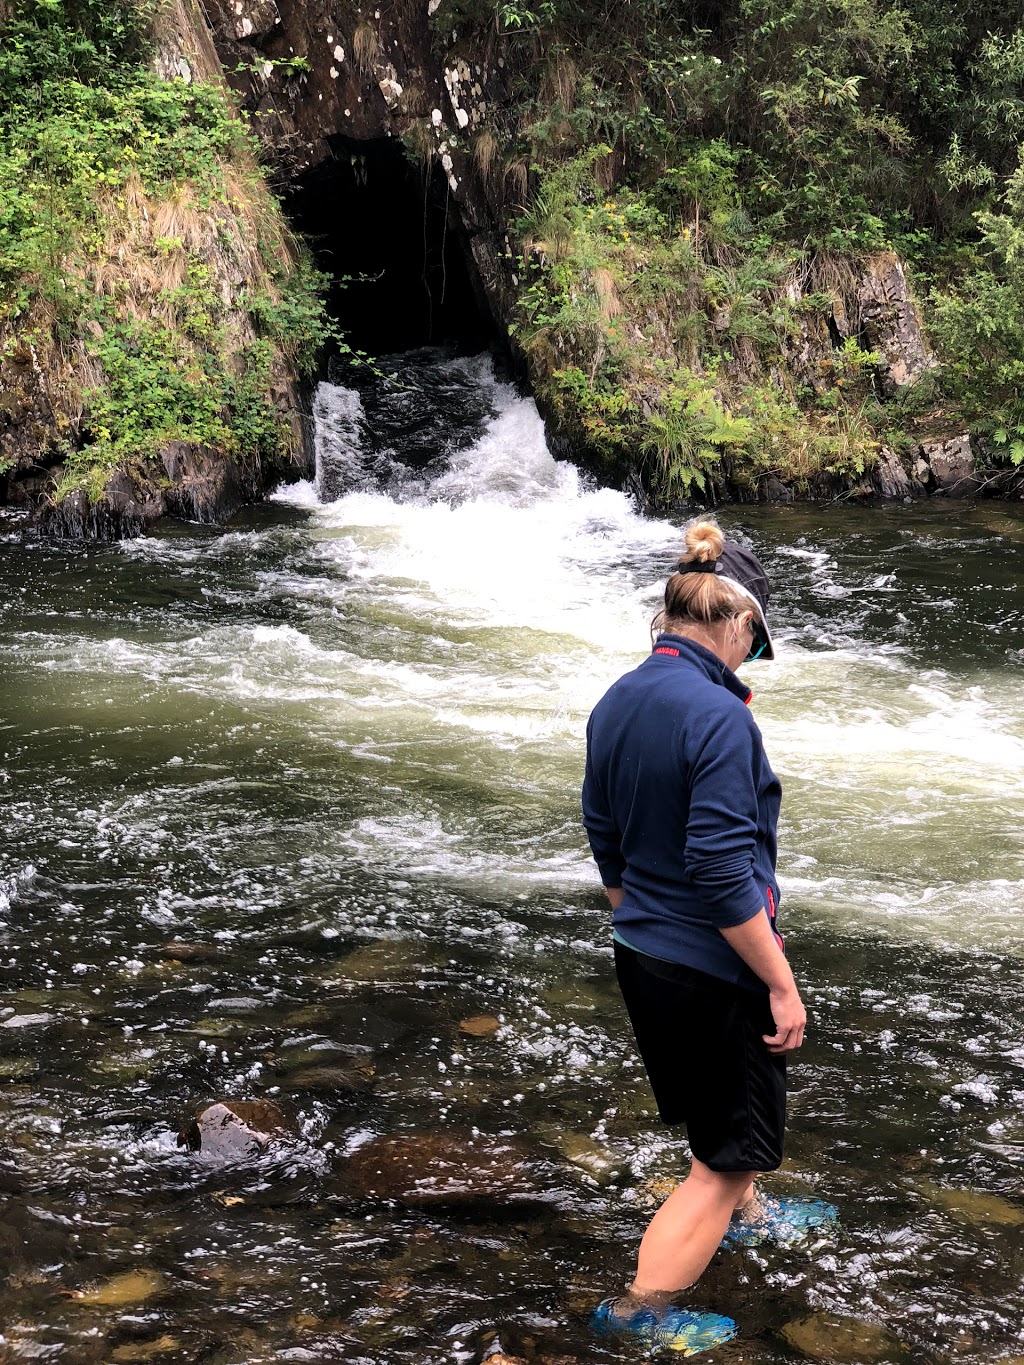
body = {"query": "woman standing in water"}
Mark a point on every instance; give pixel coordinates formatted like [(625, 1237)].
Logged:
[(681, 806)]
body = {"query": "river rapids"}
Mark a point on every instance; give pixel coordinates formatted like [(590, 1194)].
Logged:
[(337, 748)]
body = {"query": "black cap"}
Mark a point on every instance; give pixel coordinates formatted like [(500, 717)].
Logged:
[(742, 569)]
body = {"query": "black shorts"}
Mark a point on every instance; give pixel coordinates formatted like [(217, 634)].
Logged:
[(702, 1045)]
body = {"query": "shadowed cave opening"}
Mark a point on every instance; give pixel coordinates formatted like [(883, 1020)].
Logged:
[(370, 212)]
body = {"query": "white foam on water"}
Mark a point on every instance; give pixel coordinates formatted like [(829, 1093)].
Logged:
[(487, 607)]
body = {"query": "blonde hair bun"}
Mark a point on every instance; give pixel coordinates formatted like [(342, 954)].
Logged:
[(704, 541)]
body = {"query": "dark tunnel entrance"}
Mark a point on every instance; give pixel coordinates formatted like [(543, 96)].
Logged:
[(371, 212)]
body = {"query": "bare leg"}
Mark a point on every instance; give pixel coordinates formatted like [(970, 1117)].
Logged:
[(747, 1197), (686, 1231)]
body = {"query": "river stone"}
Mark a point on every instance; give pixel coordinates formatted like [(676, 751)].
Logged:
[(237, 1130), (974, 1206), (423, 1169), (28, 1020), (587, 1156), (479, 1025), (121, 1291), (387, 958), (951, 463), (190, 952), (827, 1336), (348, 1080), (891, 476), (133, 1351)]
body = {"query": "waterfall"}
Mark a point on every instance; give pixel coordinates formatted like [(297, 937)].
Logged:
[(338, 442)]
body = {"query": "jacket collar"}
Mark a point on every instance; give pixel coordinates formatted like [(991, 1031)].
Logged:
[(692, 654)]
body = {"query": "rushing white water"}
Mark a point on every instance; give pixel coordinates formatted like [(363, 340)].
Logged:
[(549, 586)]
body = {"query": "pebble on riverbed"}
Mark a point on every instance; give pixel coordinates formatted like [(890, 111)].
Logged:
[(237, 1130)]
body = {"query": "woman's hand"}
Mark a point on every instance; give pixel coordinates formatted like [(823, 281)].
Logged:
[(756, 945), (790, 1020)]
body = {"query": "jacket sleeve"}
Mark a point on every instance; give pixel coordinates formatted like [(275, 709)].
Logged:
[(602, 831), (721, 829)]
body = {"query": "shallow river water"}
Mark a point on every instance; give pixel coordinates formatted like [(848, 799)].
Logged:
[(339, 747)]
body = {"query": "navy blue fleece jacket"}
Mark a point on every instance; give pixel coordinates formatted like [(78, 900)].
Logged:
[(681, 807)]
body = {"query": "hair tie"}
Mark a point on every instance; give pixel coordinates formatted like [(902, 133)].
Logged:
[(697, 566)]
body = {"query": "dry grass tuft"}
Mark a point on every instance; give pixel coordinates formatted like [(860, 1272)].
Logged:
[(607, 294), (560, 81), (485, 151), (517, 178), (365, 46)]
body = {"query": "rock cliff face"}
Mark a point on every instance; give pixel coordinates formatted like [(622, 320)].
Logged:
[(327, 85), (318, 77)]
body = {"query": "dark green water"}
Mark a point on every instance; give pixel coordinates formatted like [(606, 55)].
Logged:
[(341, 745)]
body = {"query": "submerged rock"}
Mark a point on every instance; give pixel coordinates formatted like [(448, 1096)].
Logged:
[(974, 1206), (122, 1291), (444, 1168), (849, 1341), (28, 1021), (237, 1130), (377, 963), (344, 1080), (479, 1025), (133, 1351), (190, 952), (587, 1156)]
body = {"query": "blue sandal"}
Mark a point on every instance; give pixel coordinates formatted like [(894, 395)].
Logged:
[(786, 1222), (670, 1329)]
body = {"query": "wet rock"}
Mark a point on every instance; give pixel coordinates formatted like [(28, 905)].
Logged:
[(587, 1156), (443, 1168), (891, 476), (218, 1028), (334, 1080), (237, 1130), (776, 491), (254, 20), (124, 1065), (133, 1351), (190, 952), (14, 1068), (28, 1021), (827, 1336), (122, 1291), (387, 959), (951, 463), (479, 1025), (974, 1206)]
